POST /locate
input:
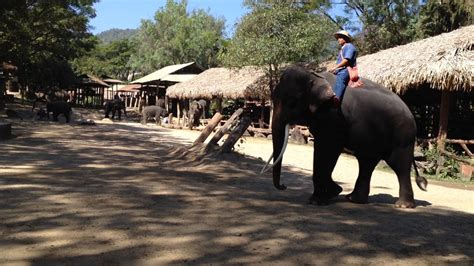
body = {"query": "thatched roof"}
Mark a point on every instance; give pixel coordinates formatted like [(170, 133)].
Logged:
[(130, 88), (247, 83), (444, 62), (110, 80), (178, 77), (166, 71), (89, 80)]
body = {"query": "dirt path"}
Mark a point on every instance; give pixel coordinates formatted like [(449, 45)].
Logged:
[(128, 194)]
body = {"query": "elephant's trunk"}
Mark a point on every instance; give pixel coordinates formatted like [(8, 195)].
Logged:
[(278, 139)]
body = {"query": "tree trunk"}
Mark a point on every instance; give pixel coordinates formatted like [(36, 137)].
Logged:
[(236, 134), (208, 130), (225, 128)]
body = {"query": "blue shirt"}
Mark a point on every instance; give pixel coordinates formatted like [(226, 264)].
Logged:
[(349, 52)]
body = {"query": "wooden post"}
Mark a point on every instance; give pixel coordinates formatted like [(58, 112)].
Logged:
[(178, 110), (225, 128), (236, 134), (170, 119), (443, 119), (208, 130), (271, 115), (219, 105), (261, 120)]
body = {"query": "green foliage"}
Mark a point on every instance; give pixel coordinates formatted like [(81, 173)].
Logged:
[(447, 168), (272, 35), (176, 37), (385, 24), (110, 59), (39, 37), (112, 35), (437, 17)]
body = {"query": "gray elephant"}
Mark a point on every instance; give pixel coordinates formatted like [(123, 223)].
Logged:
[(58, 108), (196, 111), (153, 111), (115, 106), (372, 121)]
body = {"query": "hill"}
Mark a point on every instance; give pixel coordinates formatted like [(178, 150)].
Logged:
[(116, 34)]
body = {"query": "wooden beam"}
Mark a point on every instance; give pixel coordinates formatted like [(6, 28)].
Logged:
[(225, 128), (209, 128), (236, 134), (443, 120), (460, 141)]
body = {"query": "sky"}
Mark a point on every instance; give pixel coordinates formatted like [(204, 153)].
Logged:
[(127, 14)]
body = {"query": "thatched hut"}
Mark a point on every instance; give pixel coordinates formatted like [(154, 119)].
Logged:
[(248, 84), (154, 85), (435, 77), (88, 91), (223, 83), (113, 86)]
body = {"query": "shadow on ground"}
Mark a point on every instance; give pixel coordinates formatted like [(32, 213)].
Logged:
[(118, 194)]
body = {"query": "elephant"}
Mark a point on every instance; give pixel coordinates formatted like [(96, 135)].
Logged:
[(372, 122), (58, 108), (115, 106), (153, 111), (196, 111)]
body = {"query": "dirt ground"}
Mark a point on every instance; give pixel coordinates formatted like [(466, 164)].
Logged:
[(123, 193)]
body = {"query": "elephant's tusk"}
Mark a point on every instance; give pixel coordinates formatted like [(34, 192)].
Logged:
[(287, 133)]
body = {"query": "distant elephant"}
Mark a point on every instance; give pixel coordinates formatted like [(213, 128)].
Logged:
[(115, 106), (196, 111), (58, 108), (372, 121), (153, 111)]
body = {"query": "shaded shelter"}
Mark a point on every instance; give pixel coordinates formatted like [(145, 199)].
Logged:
[(88, 91), (218, 84), (154, 85), (129, 93), (113, 86), (7, 73)]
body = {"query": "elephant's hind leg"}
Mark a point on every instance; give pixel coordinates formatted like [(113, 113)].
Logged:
[(400, 161), (360, 194)]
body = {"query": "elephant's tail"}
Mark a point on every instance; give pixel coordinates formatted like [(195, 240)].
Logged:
[(421, 181)]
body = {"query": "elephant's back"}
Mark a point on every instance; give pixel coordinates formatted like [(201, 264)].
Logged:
[(378, 117)]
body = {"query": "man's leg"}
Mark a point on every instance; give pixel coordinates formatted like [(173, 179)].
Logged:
[(342, 79)]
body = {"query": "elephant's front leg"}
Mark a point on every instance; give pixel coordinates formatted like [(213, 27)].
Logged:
[(326, 153)]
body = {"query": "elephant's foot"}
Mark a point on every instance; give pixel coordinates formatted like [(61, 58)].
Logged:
[(321, 196), (406, 204), (354, 198)]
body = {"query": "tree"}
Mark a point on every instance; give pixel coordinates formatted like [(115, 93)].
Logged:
[(40, 37), (176, 37), (275, 33), (438, 16), (110, 59), (385, 23)]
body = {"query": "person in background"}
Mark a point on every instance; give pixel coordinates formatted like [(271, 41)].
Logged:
[(347, 57)]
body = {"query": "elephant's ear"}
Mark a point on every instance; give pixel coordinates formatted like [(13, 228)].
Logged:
[(319, 90)]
